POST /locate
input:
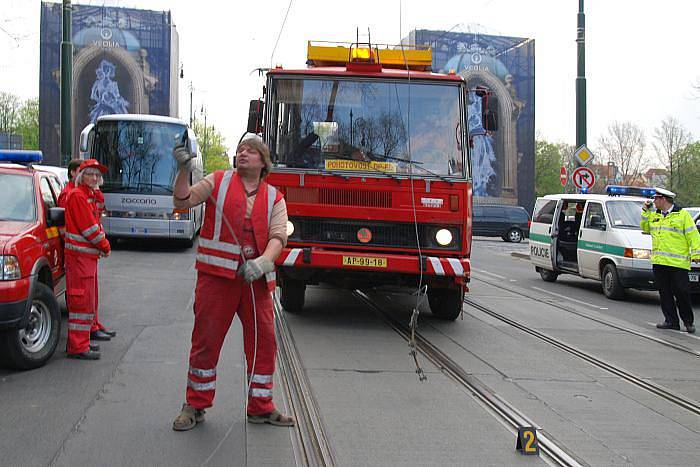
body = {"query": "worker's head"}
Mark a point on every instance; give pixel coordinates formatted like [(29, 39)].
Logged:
[(73, 166), (663, 199), (90, 174), (252, 154)]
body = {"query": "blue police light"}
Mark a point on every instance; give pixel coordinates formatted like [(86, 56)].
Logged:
[(618, 190), (20, 156), (584, 190)]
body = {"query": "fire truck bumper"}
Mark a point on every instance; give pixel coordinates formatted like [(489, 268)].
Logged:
[(456, 269)]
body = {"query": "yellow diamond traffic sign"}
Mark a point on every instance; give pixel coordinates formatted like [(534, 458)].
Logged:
[(583, 155)]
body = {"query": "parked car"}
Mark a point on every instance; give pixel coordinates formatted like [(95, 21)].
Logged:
[(511, 223), (694, 211), (31, 261)]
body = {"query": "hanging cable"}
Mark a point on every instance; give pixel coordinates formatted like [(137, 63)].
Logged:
[(272, 55), (421, 289)]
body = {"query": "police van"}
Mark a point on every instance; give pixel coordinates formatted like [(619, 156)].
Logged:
[(597, 237)]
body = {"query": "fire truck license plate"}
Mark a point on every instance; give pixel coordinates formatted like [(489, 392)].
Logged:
[(692, 276), (364, 261)]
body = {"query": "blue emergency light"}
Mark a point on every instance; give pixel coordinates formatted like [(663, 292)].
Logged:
[(619, 190), (20, 156)]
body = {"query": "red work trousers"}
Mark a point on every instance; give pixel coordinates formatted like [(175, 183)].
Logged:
[(81, 298), (217, 301)]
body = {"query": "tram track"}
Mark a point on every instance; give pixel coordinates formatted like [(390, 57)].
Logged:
[(311, 444), (510, 416), (658, 390), (550, 302)]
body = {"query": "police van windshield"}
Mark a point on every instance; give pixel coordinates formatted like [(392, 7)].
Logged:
[(138, 155), (625, 214), (17, 195), (344, 125)]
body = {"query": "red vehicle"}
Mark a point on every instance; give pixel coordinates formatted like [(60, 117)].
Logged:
[(371, 150), (31, 261)]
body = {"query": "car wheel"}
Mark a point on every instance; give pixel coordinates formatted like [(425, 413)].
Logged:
[(514, 235), (611, 283), (547, 275), (32, 346), (446, 303), (292, 295)]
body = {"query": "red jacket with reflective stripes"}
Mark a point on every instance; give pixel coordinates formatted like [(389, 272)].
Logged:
[(84, 233), (218, 252), (64, 194)]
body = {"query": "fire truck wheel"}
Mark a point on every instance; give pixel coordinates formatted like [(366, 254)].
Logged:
[(292, 295), (32, 346), (446, 303)]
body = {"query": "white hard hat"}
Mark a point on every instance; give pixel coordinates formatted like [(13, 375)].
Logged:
[(664, 192)]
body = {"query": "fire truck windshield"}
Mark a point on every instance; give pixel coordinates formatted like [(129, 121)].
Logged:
[(362, 125)]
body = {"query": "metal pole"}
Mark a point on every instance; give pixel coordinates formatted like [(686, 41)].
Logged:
[(191, 119), (66, 85), (581, 77)]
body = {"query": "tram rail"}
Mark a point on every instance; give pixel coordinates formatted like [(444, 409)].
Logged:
[(658, 340), (665, 393), (510, 416), (311, 444)]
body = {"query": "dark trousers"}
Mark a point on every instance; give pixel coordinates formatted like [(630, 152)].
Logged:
[(674, 289)]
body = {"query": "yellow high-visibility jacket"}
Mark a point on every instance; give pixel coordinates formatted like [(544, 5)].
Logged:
[(675, 238)]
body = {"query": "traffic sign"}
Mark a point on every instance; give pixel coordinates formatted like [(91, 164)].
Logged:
[(583, 155), (583, 178), (563, 176)]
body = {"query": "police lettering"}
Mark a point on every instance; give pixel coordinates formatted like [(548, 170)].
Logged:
[(541, 251)]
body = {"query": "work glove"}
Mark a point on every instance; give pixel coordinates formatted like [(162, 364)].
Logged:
[(183, 158), (255, 268)]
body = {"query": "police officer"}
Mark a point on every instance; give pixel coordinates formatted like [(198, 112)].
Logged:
[(675, 242)]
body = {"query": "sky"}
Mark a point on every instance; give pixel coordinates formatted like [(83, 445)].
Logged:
[(641, 59)]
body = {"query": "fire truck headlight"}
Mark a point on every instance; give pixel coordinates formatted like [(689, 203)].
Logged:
[(290, 228), (443, 237)]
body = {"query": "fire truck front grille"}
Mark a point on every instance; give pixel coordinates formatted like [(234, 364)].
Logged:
[(336, 197), (383, 234)]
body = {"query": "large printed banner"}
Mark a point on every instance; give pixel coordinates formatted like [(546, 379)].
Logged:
[(123, 62), (503, 163)]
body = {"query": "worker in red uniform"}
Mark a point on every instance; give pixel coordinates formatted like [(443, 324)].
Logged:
[(244, 231), (98, 332), (73, 166), (85, 243)]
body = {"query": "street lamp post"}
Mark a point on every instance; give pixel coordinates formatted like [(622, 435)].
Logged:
[(66, 85), (581, 77)]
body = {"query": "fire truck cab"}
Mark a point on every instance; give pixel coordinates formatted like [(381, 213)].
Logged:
[(371, 151)]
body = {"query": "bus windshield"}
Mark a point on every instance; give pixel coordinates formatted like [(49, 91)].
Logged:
[(138, 155), (349, 125)]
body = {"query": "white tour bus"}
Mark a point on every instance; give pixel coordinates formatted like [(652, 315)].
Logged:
[(138, 187)]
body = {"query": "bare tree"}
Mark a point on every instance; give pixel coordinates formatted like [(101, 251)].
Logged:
[(623, 144), (669, 139)]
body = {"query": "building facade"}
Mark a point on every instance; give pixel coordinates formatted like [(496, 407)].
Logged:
[(503, 165), (124, 61)]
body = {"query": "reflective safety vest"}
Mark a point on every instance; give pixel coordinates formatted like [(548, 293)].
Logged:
[(218, 252), (84, 233), (675, 238)]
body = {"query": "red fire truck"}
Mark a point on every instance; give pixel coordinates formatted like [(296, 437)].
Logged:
[(371, 150)]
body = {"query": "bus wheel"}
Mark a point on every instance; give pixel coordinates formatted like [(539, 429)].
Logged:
[(292, 294), (547, 275), (446, 303), (611, 283)]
